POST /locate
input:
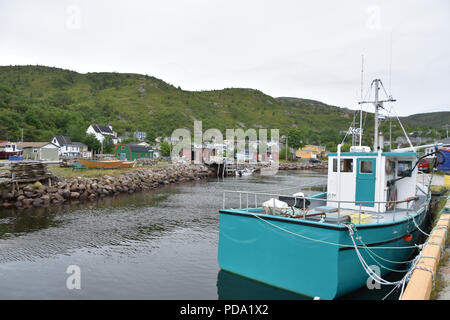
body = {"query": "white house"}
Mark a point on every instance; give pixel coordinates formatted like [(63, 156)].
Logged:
[(101, 132), (68, 148), (83, 150)]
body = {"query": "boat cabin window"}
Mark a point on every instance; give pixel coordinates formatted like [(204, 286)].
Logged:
[(346, 165), (366, 167), (404, 168)]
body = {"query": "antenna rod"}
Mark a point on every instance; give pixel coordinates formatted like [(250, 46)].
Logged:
[(375, 140), (360, 111)]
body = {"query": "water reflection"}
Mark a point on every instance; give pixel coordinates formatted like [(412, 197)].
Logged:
[(160, 244)]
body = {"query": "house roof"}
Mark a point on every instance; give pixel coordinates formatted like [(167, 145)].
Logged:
[(63, 140), (23, 145), (80, 144), (445, 141), (138, 148), (102, 129)]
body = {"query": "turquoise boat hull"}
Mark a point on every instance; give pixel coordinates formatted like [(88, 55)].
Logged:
[(266, 248)]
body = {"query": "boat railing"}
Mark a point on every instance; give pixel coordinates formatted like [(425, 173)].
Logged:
[(249, 200), (426, 179)]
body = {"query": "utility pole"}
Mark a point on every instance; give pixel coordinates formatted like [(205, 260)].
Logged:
[(286, 147), (390, 133)]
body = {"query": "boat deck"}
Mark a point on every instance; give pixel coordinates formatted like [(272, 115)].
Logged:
[(319, 212)]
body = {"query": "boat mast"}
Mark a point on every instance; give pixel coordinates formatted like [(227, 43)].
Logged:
[(378, 104)]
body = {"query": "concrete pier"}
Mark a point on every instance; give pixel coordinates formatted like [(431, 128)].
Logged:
[(424, 276)]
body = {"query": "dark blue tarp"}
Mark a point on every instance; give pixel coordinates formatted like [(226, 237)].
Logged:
[(15, 158), (444, 160)]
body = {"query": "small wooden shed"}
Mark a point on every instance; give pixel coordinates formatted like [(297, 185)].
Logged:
[(132, 152)]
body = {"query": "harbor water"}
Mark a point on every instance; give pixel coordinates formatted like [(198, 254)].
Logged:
[(160, 244)]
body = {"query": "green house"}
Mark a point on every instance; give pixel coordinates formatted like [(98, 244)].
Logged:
[(132, 152)]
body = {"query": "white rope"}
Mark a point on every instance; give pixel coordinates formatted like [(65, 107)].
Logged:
[(417, 226), (366, 267), (429, 270), (377, 278), (327, 242)]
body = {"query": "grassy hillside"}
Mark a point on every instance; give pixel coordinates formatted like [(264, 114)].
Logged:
[(434, 119), (47, 101)]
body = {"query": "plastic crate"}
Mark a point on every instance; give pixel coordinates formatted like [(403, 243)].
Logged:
[(365, 218)]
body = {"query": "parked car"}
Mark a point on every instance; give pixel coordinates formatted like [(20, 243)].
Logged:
[(315, 161), (424, 166)]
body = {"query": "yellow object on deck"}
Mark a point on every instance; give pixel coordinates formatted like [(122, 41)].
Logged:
[(447, 181), (365, 218)]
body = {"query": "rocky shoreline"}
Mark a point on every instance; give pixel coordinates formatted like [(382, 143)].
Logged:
[(58, 190), (302, 166)]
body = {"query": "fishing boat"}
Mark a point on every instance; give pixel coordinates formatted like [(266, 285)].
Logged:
[(368, 223), (9, 149)]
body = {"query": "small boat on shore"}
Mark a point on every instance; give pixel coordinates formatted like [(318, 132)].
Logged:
[(244, 172), (127, 164), (9, 149)]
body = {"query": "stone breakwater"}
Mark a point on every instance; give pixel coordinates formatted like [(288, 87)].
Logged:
[(302, 166), (61, 190)]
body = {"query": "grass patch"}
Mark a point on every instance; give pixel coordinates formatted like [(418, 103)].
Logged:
[(440, 283), (435, 188), (98, 173)]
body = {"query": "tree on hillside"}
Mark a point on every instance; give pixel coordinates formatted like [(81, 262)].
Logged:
[(295, 138), (150, 138), (285, 154), (93, 144), (127, 140), (108, 145), (165, 149)]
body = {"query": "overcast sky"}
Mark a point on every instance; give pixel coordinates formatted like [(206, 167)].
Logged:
[(306, 49)]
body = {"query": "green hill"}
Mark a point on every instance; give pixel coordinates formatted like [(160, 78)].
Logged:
[(47, 101), (433, 119)]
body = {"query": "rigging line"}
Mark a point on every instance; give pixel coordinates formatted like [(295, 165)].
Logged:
[(290, 187), (390, 66), (403, 129), (323, 241), (351, 126), (384, 89)]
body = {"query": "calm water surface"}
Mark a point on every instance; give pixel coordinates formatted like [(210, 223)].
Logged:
[(149, 245)]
